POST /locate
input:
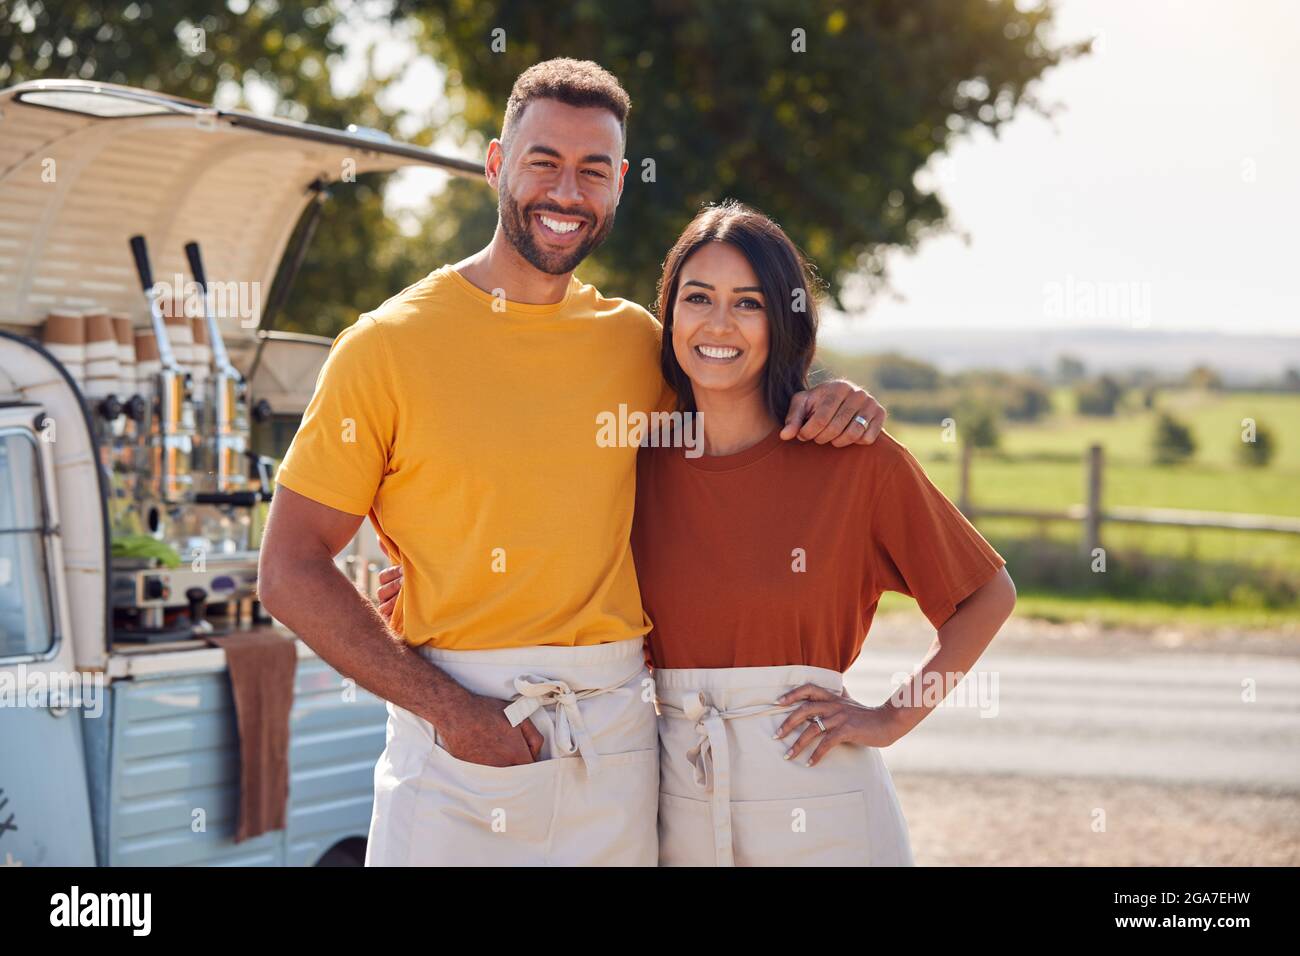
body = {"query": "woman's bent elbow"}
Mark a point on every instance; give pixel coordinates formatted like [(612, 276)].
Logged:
[(1008, 591)]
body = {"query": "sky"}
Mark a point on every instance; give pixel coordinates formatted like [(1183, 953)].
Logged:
[(1169, 181), (1163, 194)]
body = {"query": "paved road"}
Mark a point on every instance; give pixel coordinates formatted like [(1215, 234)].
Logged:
[(1161, 716)]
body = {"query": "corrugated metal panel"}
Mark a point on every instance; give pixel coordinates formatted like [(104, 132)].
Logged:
[(338, 734), (175, 751)]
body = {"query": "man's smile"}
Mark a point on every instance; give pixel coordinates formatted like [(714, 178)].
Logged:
[(559, 229)]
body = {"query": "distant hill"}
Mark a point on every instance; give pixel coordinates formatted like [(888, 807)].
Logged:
[(1239, 359)]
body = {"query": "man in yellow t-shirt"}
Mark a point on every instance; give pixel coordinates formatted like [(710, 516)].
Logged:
[(462, 416)]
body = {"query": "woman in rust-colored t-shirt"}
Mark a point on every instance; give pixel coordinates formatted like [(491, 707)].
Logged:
[(761, 561)]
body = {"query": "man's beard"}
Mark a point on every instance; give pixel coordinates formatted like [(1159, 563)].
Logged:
[(517, 225)]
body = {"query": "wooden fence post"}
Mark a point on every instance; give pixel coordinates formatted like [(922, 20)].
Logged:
[(1092, 514)]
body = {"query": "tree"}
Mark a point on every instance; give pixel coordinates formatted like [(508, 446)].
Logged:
[(1069, 369), (978, 424), (1172, 441), (817, 112), (1258, 453), (1100, 397)]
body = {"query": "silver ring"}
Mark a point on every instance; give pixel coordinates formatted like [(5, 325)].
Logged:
[(861, 421), (820, 726)]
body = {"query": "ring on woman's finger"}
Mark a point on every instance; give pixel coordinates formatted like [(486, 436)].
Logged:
[(861, 421), (818, 721)]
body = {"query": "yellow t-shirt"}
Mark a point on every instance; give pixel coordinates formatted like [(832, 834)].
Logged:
[(470, 435)]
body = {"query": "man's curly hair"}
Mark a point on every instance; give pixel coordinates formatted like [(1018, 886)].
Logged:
[(572, 82)]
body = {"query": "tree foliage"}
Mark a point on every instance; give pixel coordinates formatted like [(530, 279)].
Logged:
[(1258, 452), (1099, 397), (1172, 441), (828, 141)]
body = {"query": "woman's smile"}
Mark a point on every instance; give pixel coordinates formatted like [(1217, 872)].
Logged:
[(718, 354)]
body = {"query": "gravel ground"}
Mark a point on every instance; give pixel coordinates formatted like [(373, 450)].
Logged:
[(958, 819), (1025, 821)]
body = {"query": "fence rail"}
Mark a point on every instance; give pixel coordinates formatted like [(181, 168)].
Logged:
[(1092, 515)]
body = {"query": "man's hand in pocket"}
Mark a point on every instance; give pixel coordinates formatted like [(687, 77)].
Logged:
[(481, 733)]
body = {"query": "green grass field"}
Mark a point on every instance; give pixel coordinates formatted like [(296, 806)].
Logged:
[(1042, 465)]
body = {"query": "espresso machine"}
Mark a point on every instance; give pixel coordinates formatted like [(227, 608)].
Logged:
[(196, 485)]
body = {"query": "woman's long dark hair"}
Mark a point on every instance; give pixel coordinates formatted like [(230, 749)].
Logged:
[(788, 290)]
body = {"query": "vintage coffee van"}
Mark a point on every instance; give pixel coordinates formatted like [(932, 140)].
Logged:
[(137, 438)]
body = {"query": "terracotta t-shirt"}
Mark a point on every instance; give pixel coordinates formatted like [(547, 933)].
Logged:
[(778, 554)]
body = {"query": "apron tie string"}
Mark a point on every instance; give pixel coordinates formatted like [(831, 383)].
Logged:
[(569, 733), (710, 761)]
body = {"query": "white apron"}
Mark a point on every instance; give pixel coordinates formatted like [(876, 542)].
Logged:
[(728, 798), (589, 799)]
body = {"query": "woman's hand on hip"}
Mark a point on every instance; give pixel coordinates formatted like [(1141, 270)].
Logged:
[(846, 722)]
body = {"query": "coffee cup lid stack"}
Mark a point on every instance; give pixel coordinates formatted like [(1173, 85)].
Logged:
[(64, 337), (147, 360), (102, 367), (125, 335)]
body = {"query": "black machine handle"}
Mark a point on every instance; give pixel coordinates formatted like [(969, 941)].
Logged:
[(196, 264), (196, 597), (141, 253), (240, 499)]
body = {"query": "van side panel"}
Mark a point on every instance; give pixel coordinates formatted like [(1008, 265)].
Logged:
[(175, 771), (338, 735)]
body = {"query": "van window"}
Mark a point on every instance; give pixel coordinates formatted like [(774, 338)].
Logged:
[(26, 615)]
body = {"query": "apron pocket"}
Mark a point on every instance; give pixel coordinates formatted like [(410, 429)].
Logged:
[(806, 831), (826, 830), (490, 815), (609, 819), (685, 832)]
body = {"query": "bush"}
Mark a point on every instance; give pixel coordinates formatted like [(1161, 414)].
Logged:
[(1258, 453), (1172, 441), (1099, 397), (1027, 400), (977, 425), (923, 408), (1069, 369), (1055, 567)]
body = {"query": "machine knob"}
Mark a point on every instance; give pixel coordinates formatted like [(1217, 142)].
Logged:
[(155, 589), (197, 598), (137, 408), (110, 409)]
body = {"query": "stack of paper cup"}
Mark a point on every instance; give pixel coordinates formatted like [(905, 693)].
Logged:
[(147, 362), (201, 354), (125, 336), (65, 339), (102, 369)]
